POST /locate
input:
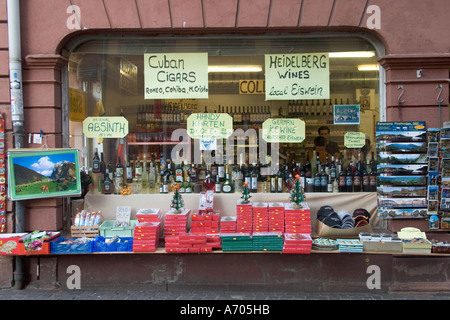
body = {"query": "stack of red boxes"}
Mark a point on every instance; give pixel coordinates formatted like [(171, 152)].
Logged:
[(260, 217), (228, 225), (146, 236), (297, 220), (192, 242), (244, 214), (148, 230), (297, 243), (276, 217), (176, 223), (206, 222)]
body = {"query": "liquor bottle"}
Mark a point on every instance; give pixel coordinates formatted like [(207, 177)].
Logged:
[(280, 182), (214, 171), (118, 180), (236, 178), (119, 166), (289, 183), (373, 179), (349, 179), (227, 186), (342, 180), (248, 177), (193, 174), (217, 186), (144, 173), (96, 162), (221, 171), (366, 178), (327, 165), (254, 179), (335, 186), (102, 164), (107, 183), (179, 173), (333, 169), (182, 187), (152, 174), (111, 169), (323, 180), (165, 185), (208, 183), (273, 182), (357, 182), (138, 168), (317, 178), (129, 171), (188, 187)]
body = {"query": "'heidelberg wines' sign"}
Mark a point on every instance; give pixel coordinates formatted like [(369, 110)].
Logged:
[(297, 76)]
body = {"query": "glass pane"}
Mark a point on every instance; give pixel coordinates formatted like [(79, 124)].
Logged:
[(96, 77)]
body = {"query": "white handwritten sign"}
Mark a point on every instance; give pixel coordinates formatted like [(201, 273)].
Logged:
[(209, 125), (122, 216), (176, 75), (105, 127), (284, 130), (354, 140), (297, 76)]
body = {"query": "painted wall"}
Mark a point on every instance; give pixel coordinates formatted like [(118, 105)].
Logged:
[(411, 30)]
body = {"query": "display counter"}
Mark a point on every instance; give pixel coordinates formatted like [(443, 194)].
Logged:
[(226, 203)]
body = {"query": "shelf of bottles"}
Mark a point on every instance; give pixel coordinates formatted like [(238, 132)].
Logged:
[(149, 169), (150, 176)]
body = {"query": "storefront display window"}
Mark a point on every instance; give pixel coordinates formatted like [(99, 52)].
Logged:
[(111, 85)]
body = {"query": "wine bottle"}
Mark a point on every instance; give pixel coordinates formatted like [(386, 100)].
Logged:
[(129, 171), (107, 183), (96, 162), (188, 187), (227, 186), (342, 180), (349, 179)]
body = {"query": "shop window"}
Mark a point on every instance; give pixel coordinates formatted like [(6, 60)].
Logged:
[(106, 79)]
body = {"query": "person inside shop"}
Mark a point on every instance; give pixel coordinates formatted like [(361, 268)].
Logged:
[(331, 147)]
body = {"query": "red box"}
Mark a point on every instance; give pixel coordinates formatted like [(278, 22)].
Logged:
[(9, 243), (149, 215), (44, 247)]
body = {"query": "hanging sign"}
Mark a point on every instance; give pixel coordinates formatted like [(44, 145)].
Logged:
[(176, 75), (105, 127), (209, 125), (297, 76), (354, 140), (346, 114), (77, 105), (284, 130), (251, 87)]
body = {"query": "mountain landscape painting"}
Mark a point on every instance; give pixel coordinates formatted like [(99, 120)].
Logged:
[(43, 174)]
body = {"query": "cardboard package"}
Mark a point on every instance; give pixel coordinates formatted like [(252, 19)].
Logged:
[(324, 231)]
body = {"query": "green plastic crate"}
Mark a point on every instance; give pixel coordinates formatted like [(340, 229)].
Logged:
[(108, 230)]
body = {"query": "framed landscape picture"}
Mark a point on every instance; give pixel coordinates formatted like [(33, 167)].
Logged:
[(43, 173)]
